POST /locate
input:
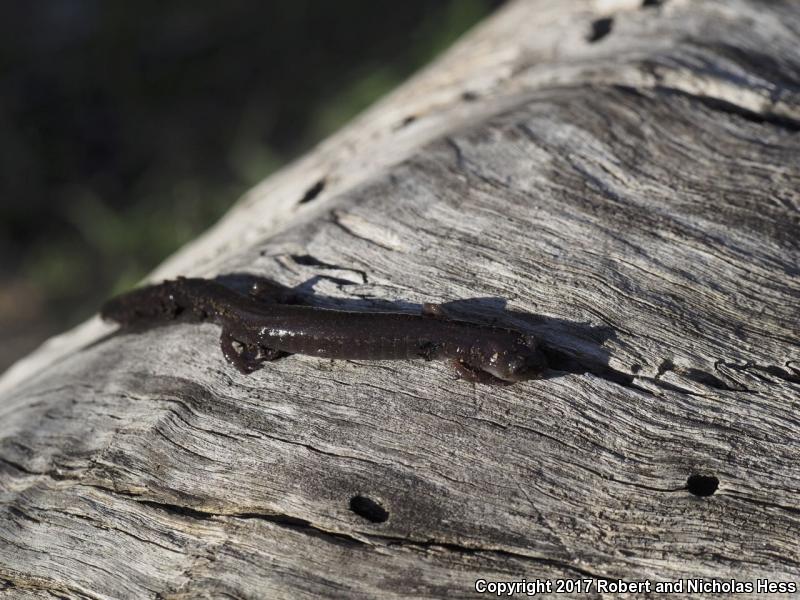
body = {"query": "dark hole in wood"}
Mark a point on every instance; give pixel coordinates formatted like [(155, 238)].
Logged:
[(636, 368), (368, 509), (469, 96), (702, 485), (408, 120), (649, 3), (666, 365), (307, 260), (600, 29), (313, 191)]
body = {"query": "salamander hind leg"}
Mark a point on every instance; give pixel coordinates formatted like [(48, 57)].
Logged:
[(246, 357), (476, 375)]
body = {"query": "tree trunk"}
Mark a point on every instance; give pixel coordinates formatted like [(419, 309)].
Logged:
[(619, 179)]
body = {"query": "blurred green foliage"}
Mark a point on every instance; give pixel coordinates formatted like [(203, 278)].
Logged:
[(129, 128)]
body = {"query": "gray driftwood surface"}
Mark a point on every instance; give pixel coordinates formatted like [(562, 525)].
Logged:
[(626, 179)]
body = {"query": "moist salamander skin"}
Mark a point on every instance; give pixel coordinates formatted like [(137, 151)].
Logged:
[(254, 331)]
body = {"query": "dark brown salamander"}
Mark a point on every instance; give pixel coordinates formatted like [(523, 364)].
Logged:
[(254, 331)]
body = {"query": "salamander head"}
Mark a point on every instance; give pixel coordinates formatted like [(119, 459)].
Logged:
[(522, 361), (155, 303)]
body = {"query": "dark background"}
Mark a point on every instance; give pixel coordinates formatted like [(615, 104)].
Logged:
[(130, 127)]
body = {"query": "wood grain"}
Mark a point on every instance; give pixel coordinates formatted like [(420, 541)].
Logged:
[(631, 198)]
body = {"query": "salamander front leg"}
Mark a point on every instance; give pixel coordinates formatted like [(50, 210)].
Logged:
[(269, 292), (246, 357), (475, 375)]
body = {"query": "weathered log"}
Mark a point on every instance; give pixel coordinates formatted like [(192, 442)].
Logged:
[(618, 178)]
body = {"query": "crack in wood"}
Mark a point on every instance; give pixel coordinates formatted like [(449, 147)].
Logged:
[(306, 527), (462, 548), (307, 260), (716, 104), (337, 218), (789, 375), (19, 581)]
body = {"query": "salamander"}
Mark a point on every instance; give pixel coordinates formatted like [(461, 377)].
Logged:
[(255, 331)]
